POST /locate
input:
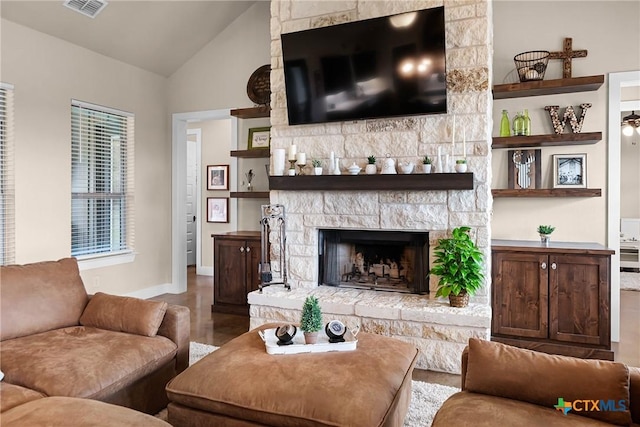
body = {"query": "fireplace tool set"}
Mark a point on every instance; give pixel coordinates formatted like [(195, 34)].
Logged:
[(272, 219)]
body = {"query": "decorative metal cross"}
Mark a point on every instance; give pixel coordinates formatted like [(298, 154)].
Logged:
[(567, 55)]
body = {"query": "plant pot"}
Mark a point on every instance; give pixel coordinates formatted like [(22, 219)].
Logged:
[(461, 167), (317, 171), (460, 300), (310, 337), (370, 169), (545, 239), (426, 168)]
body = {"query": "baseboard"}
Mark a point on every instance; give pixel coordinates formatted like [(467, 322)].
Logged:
[(154, 291), (204, 271)]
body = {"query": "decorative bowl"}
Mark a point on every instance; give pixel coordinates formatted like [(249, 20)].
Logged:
[(354, 169), (406, 168)]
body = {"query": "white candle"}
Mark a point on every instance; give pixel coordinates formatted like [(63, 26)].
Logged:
[(464, 142), (292, 151), (301, 159)]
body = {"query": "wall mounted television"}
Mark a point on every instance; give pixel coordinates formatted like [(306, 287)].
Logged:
[(382, 67)]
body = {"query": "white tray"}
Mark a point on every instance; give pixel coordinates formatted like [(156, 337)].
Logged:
[(322, 346)]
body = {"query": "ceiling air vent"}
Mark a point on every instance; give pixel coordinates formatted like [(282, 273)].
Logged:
[(88, 8)]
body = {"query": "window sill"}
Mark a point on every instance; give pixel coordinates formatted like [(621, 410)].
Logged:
[(88, 262)]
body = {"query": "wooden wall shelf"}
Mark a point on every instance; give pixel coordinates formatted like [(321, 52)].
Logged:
[(249, 194), (251, 113), (251, 154), (550, 140), (418, 182), (548, 192), (548, 87)]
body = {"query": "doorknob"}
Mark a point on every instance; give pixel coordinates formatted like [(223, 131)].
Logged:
[(194, 218)]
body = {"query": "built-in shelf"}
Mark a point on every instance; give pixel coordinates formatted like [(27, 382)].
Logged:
[(251, 113), (417, 182), (257, 153), (249, 194), (548, 192), (550, 140), (548, 87)]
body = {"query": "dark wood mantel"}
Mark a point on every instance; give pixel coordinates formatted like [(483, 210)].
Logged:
[(417, 182)]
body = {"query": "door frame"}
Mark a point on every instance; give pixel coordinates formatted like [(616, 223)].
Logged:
[(179, 189)]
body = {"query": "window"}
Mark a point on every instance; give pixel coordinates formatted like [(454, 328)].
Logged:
[(7, 215), (101, 181)]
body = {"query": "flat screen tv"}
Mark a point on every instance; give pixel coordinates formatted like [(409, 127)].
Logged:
[(383, 67)]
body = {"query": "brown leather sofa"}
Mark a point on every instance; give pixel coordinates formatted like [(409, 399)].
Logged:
[(508, 386), (55, 340)]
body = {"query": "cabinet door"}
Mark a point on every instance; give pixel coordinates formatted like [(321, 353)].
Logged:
[(519, 294), (253, 260), (579, 299), (229, 275)]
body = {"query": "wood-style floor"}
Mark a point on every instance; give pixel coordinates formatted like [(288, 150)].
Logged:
[(218, 328)]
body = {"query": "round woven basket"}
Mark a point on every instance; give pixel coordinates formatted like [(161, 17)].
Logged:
[(460, 300), (531, 65)]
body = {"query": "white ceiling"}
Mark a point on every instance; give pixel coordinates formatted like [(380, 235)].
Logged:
[(158, 36)]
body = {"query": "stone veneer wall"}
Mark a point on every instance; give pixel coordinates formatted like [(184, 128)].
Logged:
[(468, 63)]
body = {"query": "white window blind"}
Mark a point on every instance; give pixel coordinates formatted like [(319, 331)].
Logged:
[(7, 191), (102, 148)]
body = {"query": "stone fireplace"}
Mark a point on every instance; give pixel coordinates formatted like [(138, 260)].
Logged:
[(439, 331)]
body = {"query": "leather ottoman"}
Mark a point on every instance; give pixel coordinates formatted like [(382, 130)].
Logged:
[(242, 385)]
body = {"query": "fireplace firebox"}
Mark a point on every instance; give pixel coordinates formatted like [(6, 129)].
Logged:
[(384, 260)]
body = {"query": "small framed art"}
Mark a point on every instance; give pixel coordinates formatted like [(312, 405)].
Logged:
[(218, 177), (259, 138), (524, 169), (569, 171), (217, 209)]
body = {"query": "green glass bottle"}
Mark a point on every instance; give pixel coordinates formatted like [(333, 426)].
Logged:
[(526, 123), (505, 124), (518, 124)]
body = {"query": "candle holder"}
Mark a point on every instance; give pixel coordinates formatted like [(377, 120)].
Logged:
[(292, 167), (301, 168)]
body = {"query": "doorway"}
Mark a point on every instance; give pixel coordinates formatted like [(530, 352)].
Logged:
[(194, 141)]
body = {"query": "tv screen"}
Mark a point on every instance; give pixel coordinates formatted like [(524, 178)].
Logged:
[(382, 67)]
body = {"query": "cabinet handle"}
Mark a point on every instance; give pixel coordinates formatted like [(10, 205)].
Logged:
[(241, 249), (543, 265), (248, 249), (554, 266)]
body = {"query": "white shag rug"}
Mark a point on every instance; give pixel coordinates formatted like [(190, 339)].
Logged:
[(426, 398), (629, 281)]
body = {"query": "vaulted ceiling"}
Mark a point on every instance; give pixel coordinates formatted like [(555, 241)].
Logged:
[(158, 36)]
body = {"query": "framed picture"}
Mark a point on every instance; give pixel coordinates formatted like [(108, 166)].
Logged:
[(259, 138), (218, 177), (217, 209), (569, 171), (524, 169)]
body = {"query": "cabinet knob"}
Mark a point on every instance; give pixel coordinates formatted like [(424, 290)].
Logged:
[(249, 250), (241, 248), (554, 266), (543, 265)]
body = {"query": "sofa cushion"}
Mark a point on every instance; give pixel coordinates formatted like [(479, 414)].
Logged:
[(82, 361), (12, 395), (480, 410), (124, 314), (500, 370), (40, 297), (70, 412)]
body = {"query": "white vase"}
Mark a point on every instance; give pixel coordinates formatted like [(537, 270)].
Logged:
[(371, 169), (426, 168), (317, 171)]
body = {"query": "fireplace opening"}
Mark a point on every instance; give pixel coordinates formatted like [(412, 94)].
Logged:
[(374, 259)]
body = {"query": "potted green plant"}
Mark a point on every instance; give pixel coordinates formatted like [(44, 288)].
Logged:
[(426, 164), (545, 233), (317, 166), (461, 165), (458, 263), (371, 168), (311, 321)]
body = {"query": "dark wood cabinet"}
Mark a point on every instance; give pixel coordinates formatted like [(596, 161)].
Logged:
[(236, 257), (552, 298)]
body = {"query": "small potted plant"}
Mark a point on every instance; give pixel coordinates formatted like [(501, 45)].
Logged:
[(426, 164), (461, 165), (545, 232), (458, 263), (317, 166), (371, 168), (311, 321)]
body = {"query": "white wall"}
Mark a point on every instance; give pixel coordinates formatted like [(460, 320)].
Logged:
[(47, 73), (601, 27)]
